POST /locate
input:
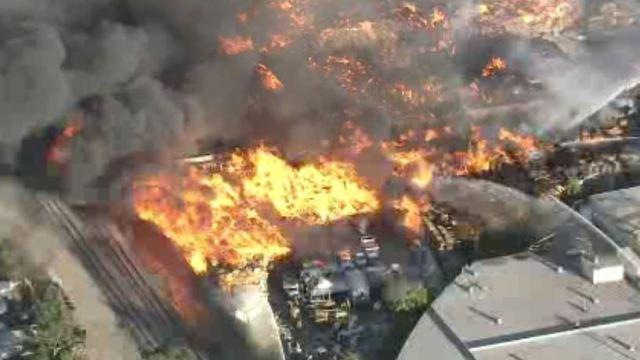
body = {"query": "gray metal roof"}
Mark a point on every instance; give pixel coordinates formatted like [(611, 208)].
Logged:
[(618, 213), (510, 303), (431, 336), (618, 342), (534, 306)]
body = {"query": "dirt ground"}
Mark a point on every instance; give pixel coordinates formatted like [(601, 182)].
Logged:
[(21, 222)]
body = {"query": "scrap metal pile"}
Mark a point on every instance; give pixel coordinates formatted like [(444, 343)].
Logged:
[(325, 294)]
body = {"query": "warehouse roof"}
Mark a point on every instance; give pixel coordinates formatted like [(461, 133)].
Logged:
[(534, 305)]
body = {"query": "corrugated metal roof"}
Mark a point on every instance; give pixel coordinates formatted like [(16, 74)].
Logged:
[(530, 306)]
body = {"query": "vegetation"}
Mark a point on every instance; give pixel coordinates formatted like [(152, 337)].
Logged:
[(56, 337), (414, 303), (169, 353), (407, 311), (573, 187)]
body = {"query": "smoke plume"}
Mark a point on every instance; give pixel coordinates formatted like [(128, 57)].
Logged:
[(151, 76)]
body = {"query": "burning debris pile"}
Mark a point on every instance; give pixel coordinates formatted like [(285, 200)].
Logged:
[(529, 18), (215, 217)]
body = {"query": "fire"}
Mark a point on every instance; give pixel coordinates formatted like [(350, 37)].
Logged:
[(276, 42), (528, 17), (59, 153), (524, 144), (438, 17), (478, 158), (208, 219), (417, 159), (430, 135), (229, 280), (314, 193), (380, 35), (295, 11), (495, 65), (482, 156), (403, 159), (410, 14), (412, 212), (354, 138), (350, 73), (268, 79), (233, 215), (423, 174), (218, 218), (234, 45)]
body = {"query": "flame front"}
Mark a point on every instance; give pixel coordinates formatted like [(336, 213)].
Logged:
[(206, 217), (218, 219), (313, 193)]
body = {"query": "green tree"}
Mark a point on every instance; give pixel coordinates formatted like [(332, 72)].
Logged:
[(415, 302), (573, 187), (407, 311), (56, 337), (169, 353)]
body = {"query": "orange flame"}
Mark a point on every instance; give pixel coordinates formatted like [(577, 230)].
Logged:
[(438, 17), (277, 42), (59, 152), (268, 79), (207, 218), (412, 212), (234, 45), (216, 218), (423, 174), (528, 17), (314, 193), (354, 138), (495, 65), (523, 144)]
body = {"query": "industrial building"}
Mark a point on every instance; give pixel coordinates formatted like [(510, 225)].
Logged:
[(564, 298)]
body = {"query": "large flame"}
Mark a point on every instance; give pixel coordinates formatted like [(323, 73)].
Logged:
[(218, 218), (208, 219), (233, 215), (314, 193)]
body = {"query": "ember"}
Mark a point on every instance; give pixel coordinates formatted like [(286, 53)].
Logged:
[(268, 79), (234, 45), (59, 153), (494, 66)]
